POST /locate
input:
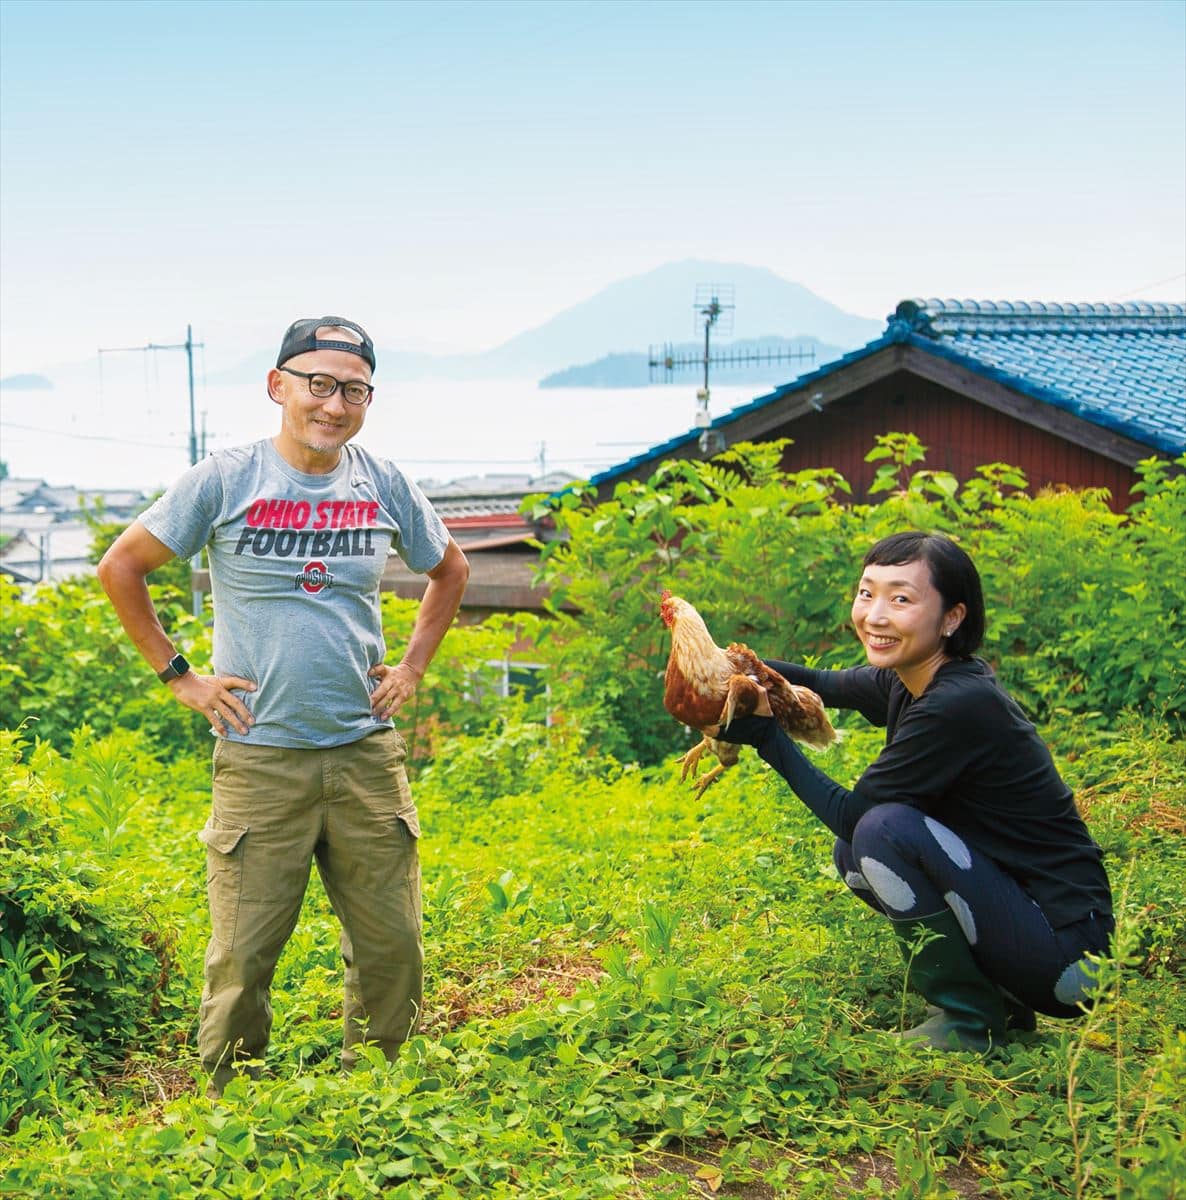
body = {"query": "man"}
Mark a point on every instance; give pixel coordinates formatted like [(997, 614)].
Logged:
[(307, 763)]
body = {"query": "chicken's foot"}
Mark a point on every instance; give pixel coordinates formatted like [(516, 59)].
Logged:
[(691, 760), (691, 764)]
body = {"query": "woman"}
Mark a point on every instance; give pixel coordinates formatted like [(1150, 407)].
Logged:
[(961, 832)]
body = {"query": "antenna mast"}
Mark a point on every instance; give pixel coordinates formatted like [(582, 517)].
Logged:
[(714, 309)]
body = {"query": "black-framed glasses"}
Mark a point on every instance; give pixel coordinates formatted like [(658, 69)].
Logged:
[(354, 391)]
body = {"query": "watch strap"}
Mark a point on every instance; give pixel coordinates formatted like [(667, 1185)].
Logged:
[(174, 669)]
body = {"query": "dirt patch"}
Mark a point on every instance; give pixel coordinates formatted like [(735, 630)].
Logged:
[(553, 976), (155, 1082), (1135, 808), (699, 1164)]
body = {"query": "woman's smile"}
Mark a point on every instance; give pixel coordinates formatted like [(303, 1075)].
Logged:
[(879, 641), (898, 615)]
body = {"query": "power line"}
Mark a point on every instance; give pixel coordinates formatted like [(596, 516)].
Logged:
[(87, 437), (1156, 283), (416, 462), (189, 346)]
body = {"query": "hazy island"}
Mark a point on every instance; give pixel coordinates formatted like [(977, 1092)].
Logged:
[(776, 360)]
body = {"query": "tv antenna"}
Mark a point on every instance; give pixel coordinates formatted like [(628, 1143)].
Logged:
[(714, 310)]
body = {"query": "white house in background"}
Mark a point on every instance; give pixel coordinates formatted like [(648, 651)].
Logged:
[(42, 532)]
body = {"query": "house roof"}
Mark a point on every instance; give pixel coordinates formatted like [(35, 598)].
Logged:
[(492, 501), (14, 489), (35, 494), (67, 547), (1118, 366)]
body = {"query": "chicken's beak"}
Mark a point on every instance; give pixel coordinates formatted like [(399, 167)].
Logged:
[(665, 608)]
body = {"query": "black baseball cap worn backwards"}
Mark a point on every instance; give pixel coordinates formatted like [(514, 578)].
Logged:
[(301, 337)]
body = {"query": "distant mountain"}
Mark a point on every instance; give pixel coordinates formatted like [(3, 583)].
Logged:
[(659, 307), (26, 383), (777, 361), (628, 317)]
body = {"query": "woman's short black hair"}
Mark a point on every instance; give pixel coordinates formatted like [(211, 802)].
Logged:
[(953, 575)]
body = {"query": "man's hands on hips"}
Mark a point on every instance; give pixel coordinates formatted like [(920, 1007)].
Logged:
[(211, 695), (396, 686)]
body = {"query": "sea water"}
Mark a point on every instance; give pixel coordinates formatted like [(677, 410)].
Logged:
[(132, 431)]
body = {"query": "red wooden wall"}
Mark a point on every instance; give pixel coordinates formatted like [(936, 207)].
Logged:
[(960, 435)]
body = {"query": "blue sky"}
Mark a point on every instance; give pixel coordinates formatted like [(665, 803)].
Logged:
[(453, 173)]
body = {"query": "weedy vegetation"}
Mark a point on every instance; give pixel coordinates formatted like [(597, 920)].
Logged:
[(632, 991)]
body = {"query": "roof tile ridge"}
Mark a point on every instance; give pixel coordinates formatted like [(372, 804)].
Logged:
[(934, 317)]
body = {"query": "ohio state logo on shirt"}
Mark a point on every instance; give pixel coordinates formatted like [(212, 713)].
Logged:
[(314, 577)]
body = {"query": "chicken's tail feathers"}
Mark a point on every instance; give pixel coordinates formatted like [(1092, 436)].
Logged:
[(811, 724), (821, 739)]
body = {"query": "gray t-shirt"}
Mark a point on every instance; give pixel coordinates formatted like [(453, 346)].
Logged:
[(295, 564)]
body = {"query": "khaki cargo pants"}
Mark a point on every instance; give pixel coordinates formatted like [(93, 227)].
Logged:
[(275, 810)]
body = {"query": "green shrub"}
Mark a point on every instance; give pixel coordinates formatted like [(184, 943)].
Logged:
[(462, 692), (175, 575), (37, 1058), (1085, 606), (513, 754), (59, 905), (65, 661)]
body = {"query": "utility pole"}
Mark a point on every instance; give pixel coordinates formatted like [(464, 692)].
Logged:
[(193, 430), (189, 346)]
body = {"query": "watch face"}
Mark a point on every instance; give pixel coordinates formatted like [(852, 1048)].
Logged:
[(176, 667)]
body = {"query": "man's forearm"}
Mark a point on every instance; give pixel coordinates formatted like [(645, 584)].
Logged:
[(127, 589), (442, 599)]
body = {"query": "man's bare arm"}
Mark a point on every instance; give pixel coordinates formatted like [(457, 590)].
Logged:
[(123, 572), (442, 598)]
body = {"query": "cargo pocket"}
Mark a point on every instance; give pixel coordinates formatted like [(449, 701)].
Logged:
[(224, 877), (410, 821), (409, 830)]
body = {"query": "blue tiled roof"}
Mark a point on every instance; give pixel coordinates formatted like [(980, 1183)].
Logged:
[(1120, 366)]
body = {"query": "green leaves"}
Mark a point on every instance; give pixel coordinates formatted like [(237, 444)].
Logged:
[(72, 663), (619, 973), (97, 960), (1086, 607), (503, 898)]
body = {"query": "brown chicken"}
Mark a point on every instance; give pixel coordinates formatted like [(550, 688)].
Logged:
[(707, 686)]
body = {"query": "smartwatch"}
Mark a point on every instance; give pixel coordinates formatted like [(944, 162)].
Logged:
[(174, 669)]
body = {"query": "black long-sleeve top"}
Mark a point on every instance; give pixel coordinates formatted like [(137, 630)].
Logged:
[(964, 753)]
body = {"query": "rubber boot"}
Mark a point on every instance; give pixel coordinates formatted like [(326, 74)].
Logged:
[(971, 1010), (1019, 1017)]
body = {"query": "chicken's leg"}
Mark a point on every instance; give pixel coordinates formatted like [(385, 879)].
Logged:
[(726, 752), (691, 760)]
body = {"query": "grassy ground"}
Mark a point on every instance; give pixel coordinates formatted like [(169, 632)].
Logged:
[(633, 992)]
